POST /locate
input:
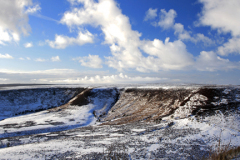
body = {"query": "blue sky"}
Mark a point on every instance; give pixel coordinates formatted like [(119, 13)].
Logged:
[(120, 41)]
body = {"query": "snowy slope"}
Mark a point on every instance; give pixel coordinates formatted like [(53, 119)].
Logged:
[(18, 102), (186, 139), (183, 122), (71, 115)]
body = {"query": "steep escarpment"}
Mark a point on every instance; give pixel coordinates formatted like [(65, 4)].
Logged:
[(154, 104), (170, 123), (23, 101), (207, 100), (145, 104), (83, 110)]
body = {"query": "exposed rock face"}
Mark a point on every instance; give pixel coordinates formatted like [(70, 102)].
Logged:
[(154, 104)]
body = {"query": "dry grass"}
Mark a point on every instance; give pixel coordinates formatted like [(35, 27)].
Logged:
[(223, 152), (145, 104)]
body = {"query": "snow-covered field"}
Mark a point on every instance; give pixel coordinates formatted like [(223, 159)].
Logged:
[(163, 122)]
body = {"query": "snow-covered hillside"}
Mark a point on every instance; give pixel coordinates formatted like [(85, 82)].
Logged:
[(23, 101), (181, 122), (82, 110)]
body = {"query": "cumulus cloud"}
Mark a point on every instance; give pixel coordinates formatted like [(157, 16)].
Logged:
[(3, 79), (223, 16), (150, 14), (209, 61), (167, 19), (41, 60), (232, 46), (111, 79), (40, 72), (13, 20), (5, 56), (92, 61), (125, 43), (27, 58), (170, 55), (62, 41), (78, 77), (28, 45), (33, 9), (186, 35), (55, 59)]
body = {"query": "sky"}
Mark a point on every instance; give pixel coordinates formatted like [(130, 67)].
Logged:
[(120, 41)]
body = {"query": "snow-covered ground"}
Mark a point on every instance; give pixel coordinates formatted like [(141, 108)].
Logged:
[(22, 101), (185, 139), (198, 118), (61, 118)]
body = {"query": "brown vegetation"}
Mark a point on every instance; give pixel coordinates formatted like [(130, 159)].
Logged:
[(154, 104), (79, 100), (145, 104)]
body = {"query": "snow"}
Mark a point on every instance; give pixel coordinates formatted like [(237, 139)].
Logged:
[(215, 127), (226, 91), (23, 101), (68, 118), (154, 147), (186, 110), (187, 136), (138, 130)]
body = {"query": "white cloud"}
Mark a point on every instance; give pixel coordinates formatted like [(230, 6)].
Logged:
[(5, 56), (181, 32), (111, 79), (41, 72), (62, 41), (13, 20), (41, 60), (28, 45), (202, 38), (33, 9), (209, 61), (127, 48), (83, 77), (170, 55), (27, 58), (3, 79), (125, 43), (232, 46), (55, 59), (167, 18), (92, 61), (167, 21), (150, 14), (186, 35), (222, 15), (4, 36)]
